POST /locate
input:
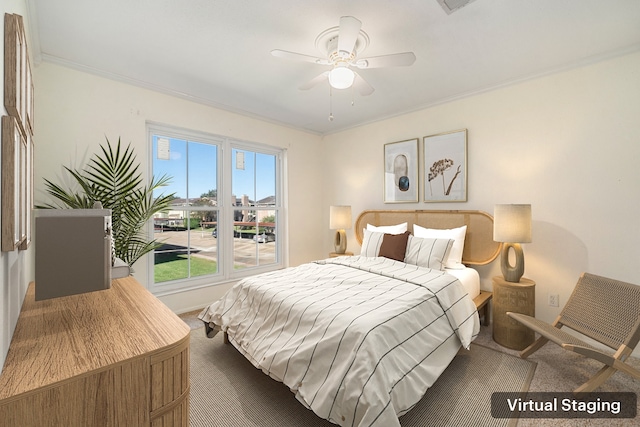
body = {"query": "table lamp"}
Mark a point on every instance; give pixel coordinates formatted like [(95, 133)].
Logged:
[(512, 226), (340, 219)]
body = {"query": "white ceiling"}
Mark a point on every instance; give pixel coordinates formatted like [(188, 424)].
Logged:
[(217, 52)]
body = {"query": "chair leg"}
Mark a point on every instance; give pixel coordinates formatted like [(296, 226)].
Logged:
[(597, 380), (627, 369), (533, 347)]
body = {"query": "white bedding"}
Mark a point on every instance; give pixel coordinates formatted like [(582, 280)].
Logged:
[(469, 278), (358, 340)]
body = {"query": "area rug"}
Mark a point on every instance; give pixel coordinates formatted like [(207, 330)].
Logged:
[(226, 390)]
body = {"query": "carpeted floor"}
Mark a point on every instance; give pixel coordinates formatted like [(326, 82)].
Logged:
[(557, 370), (561, 370), (226, 390)]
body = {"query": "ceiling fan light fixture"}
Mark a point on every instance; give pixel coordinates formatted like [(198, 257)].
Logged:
[(341, 77), (340, 47)]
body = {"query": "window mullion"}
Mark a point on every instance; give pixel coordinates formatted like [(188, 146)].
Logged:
[(226, 254)]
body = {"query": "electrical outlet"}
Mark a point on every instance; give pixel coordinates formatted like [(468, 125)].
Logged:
[(554, 300)]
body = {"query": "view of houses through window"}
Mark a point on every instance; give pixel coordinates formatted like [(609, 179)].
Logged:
[(223, 221)]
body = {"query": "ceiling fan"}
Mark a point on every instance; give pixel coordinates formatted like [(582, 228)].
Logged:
[(342, 45)]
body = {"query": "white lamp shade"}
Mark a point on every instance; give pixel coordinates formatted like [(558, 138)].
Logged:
[(341, 77), (512, 223), (339, 217)]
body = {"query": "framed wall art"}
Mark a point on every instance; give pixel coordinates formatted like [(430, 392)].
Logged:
[(15, 68), (13, 148), (445, 167), (26, 192), (17, 141), (29, 104), (401, 171)]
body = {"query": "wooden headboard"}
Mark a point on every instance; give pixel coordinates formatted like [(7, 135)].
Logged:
[(479, 247)]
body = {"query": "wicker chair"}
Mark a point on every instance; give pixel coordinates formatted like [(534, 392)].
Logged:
[(605, 310)]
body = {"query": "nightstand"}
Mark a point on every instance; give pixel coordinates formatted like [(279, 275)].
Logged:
[(482, 305), (334, 255), (518, 298)]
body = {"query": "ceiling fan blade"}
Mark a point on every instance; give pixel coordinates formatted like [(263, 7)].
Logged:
[(299, 57), (362, 86), (315, 81), (393, 60), (348, 34)]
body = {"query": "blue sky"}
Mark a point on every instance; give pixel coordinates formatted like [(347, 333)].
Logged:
[(254, 177)]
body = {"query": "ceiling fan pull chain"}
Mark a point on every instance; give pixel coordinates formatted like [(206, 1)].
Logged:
[(330, 104)]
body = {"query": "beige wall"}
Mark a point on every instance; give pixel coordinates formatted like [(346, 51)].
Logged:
[(567, 143), (75, 111)]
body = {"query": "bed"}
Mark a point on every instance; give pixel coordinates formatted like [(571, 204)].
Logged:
[(360, 339)]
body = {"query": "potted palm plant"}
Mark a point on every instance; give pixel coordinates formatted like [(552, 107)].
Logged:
[(113, 179)]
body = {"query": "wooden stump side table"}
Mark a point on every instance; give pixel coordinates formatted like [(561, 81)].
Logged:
[(518, 298)]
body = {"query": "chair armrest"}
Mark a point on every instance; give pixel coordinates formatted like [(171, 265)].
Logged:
[(591, 352)]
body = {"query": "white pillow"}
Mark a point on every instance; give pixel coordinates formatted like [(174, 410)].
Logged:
[(371, 242), (457, 234), (389, 229), (427, 252)]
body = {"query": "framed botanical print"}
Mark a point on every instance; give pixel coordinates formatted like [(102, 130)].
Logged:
[(445, 167), (401, 171)]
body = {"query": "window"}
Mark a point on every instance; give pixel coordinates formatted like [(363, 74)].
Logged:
[(224, 220)]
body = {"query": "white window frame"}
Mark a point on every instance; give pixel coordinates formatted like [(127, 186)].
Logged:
[(226, 273)]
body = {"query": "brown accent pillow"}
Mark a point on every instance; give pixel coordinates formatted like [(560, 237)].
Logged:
[(394, 246)]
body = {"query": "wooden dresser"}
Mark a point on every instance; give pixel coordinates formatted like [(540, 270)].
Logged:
[(116, 357)]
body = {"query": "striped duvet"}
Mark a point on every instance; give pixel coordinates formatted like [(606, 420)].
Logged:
[(358, 340)]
